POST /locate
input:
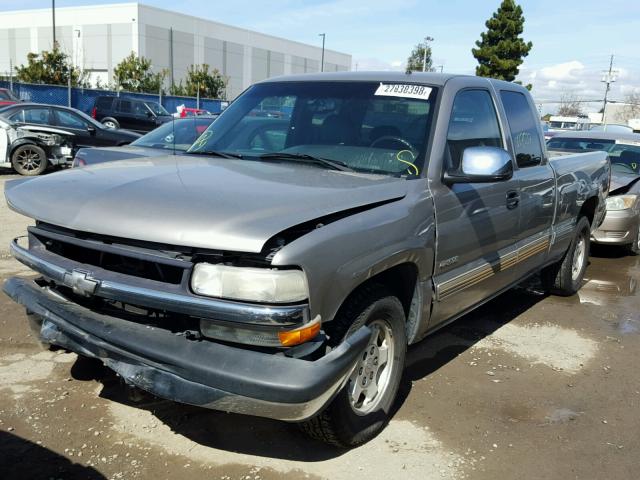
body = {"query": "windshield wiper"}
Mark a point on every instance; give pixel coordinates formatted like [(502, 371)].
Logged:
[(215, 153), (306, 158)]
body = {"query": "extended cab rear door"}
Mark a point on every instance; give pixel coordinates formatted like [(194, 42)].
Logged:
[(535, 176), (477, 224)]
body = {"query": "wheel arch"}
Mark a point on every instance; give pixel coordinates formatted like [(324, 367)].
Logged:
[(400, 280), (588, 209)]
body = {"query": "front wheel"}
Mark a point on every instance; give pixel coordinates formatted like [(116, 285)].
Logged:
[(565, 277), (29, 160), (363, 407)]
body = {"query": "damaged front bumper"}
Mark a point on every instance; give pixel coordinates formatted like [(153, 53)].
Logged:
[(197, 372)]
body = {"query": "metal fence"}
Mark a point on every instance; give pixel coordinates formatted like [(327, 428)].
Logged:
[(84, 98)]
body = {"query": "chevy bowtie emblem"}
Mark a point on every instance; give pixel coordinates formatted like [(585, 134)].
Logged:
[(80, 283)]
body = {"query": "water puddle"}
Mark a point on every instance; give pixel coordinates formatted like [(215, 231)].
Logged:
[(559, 348)]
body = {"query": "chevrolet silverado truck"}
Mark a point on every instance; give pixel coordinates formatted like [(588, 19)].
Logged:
[(281, 266)]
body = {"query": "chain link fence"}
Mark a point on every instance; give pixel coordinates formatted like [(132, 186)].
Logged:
[(84, 98)]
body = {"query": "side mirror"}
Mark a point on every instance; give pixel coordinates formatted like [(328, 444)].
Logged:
[(482, 165), (150, 114), (91, 129)]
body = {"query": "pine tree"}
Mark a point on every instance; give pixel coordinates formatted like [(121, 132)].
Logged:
[(501, 50)]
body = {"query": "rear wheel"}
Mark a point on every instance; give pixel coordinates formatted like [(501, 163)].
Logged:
[(29, 160), (565, 277), (110, 123), (363, 407)]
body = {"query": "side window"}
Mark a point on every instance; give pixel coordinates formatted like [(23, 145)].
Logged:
[(104, 103), (124, 106), (139, 108), (473, 123), (17, 116), (70, 120), (37, 115), (524, 129)]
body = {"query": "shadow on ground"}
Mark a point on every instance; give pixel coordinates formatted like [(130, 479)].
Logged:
[(269, 438), (21, 458)]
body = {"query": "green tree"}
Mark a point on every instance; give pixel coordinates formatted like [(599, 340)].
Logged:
[(416, 61), (51, 67), (135, 74), (210, 83), (501, 50)]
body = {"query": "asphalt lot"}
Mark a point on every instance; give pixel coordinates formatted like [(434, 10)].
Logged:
[(527, 387)]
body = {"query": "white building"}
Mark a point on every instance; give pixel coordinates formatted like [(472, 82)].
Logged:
[(97, 38)]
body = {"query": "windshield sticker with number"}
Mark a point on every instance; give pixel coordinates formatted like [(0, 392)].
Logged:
[(403, 90)]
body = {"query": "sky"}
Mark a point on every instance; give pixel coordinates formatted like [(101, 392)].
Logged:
[(572, 39)]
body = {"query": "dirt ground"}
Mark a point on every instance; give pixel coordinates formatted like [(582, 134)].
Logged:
[(527, 387)]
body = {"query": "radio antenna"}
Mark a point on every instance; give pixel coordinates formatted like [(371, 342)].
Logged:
[(173, 133)]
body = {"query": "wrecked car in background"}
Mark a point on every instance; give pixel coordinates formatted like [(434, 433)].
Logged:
[(281, 266), (621, 225), (30, 149)]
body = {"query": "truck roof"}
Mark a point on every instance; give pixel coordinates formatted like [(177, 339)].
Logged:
[(436, 79)]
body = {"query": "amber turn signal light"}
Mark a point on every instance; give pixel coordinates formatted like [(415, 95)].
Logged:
[(289, 338)]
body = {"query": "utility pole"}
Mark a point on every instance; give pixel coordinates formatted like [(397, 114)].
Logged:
[(171, 56), (608, 78), (323, 35), (53, 14), (424, 58), (441, 67)]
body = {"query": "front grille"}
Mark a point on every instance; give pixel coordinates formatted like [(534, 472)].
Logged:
[(114, 260)]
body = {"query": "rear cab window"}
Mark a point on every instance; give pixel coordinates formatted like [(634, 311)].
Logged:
[(524, 129)]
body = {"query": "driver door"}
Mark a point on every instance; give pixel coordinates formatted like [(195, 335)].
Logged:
[(477, 224)]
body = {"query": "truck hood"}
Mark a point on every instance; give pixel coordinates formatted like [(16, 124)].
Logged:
[(222, 204)]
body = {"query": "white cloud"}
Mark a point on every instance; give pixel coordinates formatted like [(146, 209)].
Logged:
[(579, 80)]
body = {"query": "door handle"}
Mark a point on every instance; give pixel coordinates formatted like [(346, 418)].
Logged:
[(513, 199)]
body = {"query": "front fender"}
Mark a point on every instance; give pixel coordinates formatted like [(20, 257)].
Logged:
[(340, 256)]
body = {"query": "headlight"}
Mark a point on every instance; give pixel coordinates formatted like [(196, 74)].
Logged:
[(250, 284), (621, 202)]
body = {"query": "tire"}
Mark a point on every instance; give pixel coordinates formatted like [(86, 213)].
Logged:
[(564, 278), (346, 422), (110, 122), (29, 160)]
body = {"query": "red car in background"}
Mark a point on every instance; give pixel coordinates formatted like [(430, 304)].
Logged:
[(7, 97)]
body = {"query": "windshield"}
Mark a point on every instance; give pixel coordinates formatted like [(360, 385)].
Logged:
[(367, 126), (624, 154), (156, 108), (179, 134)]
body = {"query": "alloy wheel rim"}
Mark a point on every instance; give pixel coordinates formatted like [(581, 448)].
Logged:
[(29, 159), (109, 124), (578, 259), (372, 375)]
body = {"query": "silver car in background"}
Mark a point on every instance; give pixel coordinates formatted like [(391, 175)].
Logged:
[(621, 225)]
